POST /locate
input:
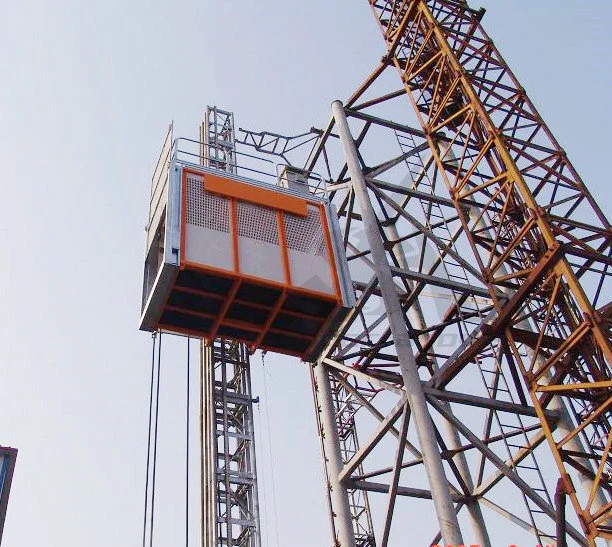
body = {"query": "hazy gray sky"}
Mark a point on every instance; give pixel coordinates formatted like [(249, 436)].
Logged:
[(87, 91)]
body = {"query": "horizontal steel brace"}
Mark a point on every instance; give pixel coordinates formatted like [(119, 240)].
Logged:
[(238, 398), (243, 436), (418, 194), (440, 282), (240, 522), (401, 490), (385, 123), (485, 402)]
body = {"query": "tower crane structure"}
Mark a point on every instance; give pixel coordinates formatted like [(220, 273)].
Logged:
[(473, 374)]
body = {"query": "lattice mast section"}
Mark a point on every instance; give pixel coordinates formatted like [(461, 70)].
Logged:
[(218, 140), (230, 507), (349, 508), (540, 241)]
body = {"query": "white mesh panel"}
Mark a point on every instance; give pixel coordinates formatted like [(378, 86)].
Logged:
[(205, 209), (258, 242), (307, 249), (208, 240)]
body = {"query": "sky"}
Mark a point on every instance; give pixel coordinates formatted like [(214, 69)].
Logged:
[(87, 91)]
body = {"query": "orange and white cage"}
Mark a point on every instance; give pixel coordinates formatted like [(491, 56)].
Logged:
[(231, 257)]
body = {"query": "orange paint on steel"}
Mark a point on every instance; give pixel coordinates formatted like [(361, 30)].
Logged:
[(302, 315), (255, 305), (330, 252), (254, 194), (187, 311), (285, 351), (291, 334), (315, 294), (198, 292), (237, 324), (178, 330), (460, 30), (247, 196), (207, 340), (263, 307), (228, 274), (226, 305), (273, 314), (283, 245), (234, 229), (281, 204)]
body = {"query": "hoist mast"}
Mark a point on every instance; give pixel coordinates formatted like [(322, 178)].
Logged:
[(230, 506)]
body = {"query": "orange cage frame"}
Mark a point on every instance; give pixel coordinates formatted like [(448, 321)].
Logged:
[(236, 191)]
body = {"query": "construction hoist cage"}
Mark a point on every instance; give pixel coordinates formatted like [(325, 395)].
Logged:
[(232, 257)]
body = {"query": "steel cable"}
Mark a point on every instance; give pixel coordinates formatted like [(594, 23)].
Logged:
[(146, 500), (263, 364), (159, 349), (187, 456), (262, 483)]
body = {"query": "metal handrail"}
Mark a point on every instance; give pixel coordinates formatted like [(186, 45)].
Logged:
[(272, 174)]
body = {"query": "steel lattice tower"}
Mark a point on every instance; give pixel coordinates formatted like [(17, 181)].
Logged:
[(477, 358), (473, 374)]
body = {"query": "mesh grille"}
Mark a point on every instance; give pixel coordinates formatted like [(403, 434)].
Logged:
[(306, 234), (205, 209), (257, 222)]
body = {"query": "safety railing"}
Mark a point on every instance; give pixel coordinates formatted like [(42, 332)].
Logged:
[(263, 169)]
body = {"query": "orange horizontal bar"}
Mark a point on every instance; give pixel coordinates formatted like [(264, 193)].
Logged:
[(242, 325), (254, 194), (186, 311), (605, 384), (180, 330), (292, 334), (277, 350), (189, 290), (254, 304), (203, 268)]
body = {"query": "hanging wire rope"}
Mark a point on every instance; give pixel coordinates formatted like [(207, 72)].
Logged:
[(159, 350), (262, 483), (265, 372), (187, 456), (146, 500)]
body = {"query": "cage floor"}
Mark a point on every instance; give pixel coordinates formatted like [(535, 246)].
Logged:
[(278, 319)]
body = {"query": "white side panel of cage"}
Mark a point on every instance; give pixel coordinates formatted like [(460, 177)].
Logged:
[(159, 188), (172, 241), (208, 247), (342, 268), (309, 260), (208, 238), (259, 250)]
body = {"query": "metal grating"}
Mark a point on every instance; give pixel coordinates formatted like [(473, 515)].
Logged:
[(205, 209), (256, 222), (306, 234)]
